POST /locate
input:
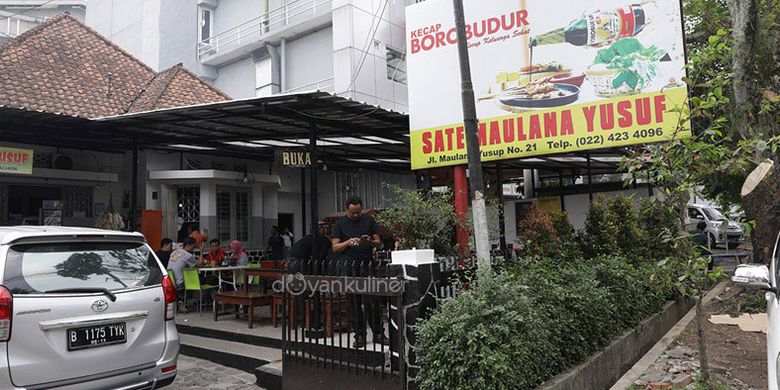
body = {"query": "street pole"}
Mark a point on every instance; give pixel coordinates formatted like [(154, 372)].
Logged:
[(481, 239)]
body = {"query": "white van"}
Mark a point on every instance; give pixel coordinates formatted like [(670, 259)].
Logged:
[(759, 276)]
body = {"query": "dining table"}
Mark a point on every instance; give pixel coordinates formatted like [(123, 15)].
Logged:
[(219, 270)]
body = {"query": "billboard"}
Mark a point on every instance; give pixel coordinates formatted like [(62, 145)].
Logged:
[(550, 76), (19, 161)]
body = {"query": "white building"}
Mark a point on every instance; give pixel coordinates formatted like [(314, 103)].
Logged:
[(247, 48), (18, 16), (199, 185)]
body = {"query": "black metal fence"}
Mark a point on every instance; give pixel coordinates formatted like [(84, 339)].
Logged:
[(337, 320), (327, 306)]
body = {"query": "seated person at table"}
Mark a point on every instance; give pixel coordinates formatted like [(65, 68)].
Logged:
[(182, 258), (216, 254), (240, 257), (164, 254)]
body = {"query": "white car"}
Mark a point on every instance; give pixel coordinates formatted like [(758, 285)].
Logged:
[(731, 235), (84, 309), (765, 278)]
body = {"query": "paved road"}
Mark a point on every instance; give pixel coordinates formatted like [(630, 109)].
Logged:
[(203, 374)]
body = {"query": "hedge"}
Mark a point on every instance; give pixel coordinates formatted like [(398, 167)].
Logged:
[(523, 325)]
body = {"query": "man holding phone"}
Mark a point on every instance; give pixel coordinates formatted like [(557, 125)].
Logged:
[(354, 238)]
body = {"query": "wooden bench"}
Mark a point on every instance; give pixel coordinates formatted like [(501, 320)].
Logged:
[(246, 298)]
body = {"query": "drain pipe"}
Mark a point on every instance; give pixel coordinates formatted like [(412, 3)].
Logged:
[(283, 65)]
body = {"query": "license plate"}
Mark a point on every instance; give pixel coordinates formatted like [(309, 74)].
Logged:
[(96, 336)]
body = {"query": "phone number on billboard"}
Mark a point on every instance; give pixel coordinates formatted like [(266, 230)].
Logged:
[(619, 137)]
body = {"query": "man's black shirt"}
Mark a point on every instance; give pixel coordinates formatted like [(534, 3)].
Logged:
[(276, 245), (301, 250), (164, 257), (347, 228)]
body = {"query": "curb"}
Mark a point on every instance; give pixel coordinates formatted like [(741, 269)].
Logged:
[(636, 371)]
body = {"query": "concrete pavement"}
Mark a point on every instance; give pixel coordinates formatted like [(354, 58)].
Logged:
[(196, 374)]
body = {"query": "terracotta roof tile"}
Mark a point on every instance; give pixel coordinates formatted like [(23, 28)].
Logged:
[(175, 87), (63, 66)]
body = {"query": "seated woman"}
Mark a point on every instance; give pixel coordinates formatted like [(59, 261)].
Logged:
[(240, 257)]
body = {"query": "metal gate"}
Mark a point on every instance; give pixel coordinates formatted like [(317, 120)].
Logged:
[(320, 319)]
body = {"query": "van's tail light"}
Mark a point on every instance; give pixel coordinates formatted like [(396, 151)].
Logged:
[(170, 298), (6, 313)]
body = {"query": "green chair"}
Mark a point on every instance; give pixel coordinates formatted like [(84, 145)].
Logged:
[(254, 279), (192, 283)]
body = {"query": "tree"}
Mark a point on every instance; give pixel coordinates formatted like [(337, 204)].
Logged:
[(733, 112)]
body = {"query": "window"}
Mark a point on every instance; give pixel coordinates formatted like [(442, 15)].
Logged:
[(233, 215), (37, 268), (695, 214), (189, 204), (223, 216), (714, 214), (396, 65), (204, 24)]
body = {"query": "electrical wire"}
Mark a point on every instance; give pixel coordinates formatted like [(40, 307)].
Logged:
[(365, 48), (26, 9)]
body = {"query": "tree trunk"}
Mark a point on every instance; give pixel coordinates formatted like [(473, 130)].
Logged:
[(705, 366), (761, 201), (744, 17)]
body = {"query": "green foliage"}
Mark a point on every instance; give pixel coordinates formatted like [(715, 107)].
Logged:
[(599, 235), (482, 338), (660, 225), (612, 228), (542, 315), (538, 233), (419, 220), (566, 235)]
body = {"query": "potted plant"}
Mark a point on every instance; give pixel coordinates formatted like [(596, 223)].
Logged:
[(419, 222)]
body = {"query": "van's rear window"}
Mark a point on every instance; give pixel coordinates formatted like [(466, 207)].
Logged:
[(37, 268)]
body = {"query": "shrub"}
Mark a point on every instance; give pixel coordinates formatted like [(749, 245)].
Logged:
[(516, 329), (660, 225), (612, 228), (567, 293), (600, 231), (416, 219), (566, 235), (630, 237), (631, 292), (538, 233), (490, 337)]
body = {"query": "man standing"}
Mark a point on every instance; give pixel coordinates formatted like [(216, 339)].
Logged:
[(354, 237), (164, 254), (287, 236), (275, 246)]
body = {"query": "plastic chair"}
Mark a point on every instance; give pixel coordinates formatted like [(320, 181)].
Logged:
[(192, 283), (254, 279)]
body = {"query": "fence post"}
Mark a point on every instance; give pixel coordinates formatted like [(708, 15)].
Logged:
[(423, 280)]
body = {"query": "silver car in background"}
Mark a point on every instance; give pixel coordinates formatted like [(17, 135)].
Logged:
[(720, 230), (84, 309)]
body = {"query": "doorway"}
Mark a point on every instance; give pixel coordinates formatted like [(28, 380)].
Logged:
[(287, 220)]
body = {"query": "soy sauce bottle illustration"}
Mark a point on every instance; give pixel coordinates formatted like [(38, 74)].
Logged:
[(598, 28)]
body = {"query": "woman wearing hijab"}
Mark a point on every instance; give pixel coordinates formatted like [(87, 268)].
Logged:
[(239, 252)]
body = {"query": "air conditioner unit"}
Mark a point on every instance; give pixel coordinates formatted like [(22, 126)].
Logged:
[(62, 161)]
